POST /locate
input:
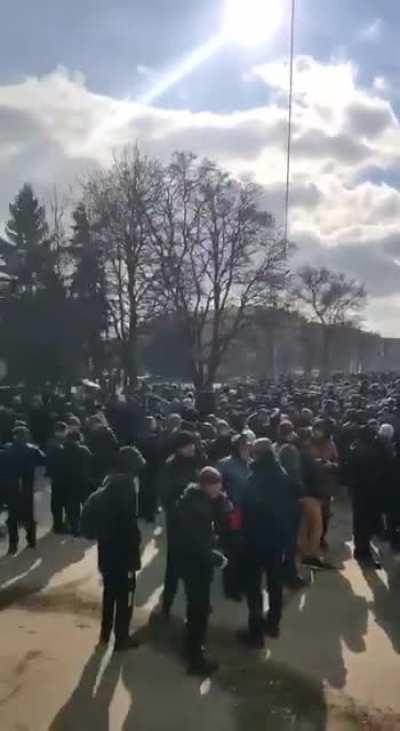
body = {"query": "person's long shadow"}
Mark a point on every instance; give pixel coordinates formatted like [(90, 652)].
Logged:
[(386, 599), (89, 705), (30, 571), (325, 617), (248, 691)]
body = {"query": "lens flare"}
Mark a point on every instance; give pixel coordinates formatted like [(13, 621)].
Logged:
[(251, 22)]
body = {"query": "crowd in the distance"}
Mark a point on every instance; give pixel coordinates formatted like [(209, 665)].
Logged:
[(245, 475)]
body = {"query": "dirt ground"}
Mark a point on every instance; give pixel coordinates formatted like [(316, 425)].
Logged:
[(335, 668)]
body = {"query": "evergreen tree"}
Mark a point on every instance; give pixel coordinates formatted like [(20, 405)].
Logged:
[(28, 232), (88, 286)]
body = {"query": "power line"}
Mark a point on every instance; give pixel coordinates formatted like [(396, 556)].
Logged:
[(290, 117)]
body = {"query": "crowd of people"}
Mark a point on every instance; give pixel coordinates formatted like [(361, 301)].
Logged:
[(245, 476)]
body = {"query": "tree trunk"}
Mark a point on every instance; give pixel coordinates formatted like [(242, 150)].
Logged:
[(130, 361), (327, 337)]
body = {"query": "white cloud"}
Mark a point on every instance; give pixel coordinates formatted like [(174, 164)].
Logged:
[(53, 128)]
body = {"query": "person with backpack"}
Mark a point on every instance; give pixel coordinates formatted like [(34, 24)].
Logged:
[(110, 517)]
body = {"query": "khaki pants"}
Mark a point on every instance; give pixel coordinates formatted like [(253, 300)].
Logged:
[(311, 528)]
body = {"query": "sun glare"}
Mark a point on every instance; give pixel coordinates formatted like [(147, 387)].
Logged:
[(250, 22)]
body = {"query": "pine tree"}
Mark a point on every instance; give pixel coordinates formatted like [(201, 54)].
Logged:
[(28, 232)]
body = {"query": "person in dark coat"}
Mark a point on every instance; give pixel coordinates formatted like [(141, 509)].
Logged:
[(54, 468), (222, 445), (150, 446), (201, 516), (70, 468), (40, 422), (103, 445), (266, 512), (18, 463), (290, 458), (110, 517), (235, 471), (365, 488), (179, 471)]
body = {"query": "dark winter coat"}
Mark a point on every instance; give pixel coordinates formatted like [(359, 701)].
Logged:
[(266, 507), (177, 473), (200, 524), (109, 515)]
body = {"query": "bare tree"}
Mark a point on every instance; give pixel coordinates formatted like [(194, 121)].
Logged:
[(121, 202), (331, 299), (219, 256)]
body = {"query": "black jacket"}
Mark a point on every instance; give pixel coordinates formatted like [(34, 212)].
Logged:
[(177, 473), (112, 510), (266, 507), (18, 463), (200, 527), (70, 464)]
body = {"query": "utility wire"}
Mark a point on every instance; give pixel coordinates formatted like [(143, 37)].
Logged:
[(290, 118)]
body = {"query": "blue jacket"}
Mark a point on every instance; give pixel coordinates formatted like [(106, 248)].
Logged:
[(266, 507), (235, 474)]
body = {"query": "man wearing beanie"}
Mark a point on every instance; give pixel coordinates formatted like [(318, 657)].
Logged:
[(201, 518), (180, 469)]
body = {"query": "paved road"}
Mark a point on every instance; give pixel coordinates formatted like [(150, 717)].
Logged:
[(338, 655)]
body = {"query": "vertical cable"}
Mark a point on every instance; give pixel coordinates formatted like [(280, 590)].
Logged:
[(290, 117)]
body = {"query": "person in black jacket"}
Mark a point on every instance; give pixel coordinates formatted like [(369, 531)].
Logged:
[(103, 445), (18, 463), (179, 471), (54, 468), (201, 516), (364, 467), (150, 446), (110, 516), (266, 509), (70, 468)]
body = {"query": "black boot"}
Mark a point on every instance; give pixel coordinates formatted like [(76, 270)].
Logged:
[(254, 641), (13, 549), (31, 535), (202, 666)]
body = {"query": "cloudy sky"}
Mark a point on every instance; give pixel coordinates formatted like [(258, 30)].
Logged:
[(79, 79)]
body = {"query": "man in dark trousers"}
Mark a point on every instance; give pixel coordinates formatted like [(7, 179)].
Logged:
[(18, 462), (110, 517), (201, 517), (70, 467), (179, 471), (54, 468), (266, 522), (364, 479)]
